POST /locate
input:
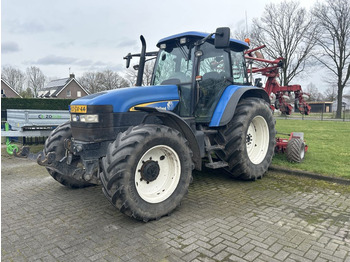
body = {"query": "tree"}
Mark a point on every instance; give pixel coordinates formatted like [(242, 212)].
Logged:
[(27, 93), (131, 74), (330, 94), (109, 80), (288, 31), (14, 77), (333, 21), (99, 81), (35, 79), (315, 95), (90, 82)]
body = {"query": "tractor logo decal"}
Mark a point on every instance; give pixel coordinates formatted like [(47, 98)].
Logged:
[(164, 105)]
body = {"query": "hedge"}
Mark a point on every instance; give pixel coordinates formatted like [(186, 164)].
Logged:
[(35, 103)]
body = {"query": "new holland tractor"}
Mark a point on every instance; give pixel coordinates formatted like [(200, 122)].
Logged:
[(142, 143)]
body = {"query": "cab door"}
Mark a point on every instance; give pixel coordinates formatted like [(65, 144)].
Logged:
[(214, 75)]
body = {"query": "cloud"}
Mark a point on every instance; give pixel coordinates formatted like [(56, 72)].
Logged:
[(56, 60), (31, 27), (65, 45), (71, 61), (127, 43), (9, 47)]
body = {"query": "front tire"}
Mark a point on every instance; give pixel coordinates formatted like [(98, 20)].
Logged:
[(249, 140), (147, 171), (55, 143)]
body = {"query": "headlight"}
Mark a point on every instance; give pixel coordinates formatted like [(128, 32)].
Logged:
[(84, 118)]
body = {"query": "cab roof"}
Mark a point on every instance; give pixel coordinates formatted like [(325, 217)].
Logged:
[(194, 34)]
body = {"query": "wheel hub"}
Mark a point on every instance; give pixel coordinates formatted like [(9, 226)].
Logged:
[(150, 170)]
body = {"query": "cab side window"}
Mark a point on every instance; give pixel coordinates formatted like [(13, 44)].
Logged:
[(238, 68)]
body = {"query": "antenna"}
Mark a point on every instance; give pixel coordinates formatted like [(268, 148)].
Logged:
[(246, 23)]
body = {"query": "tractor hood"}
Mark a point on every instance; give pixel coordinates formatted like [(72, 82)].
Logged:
[(125, 99)]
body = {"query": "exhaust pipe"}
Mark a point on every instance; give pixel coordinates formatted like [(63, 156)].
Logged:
[(142, 62)]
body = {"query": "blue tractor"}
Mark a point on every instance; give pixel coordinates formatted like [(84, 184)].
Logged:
[(142, 143)]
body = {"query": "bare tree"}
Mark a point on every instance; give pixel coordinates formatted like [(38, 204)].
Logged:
[(148, 72), (288, 31), (333, 20), (315, 94), (131, 74), (100, 81), (110, 80), (90, 82), (35, 79), (14, 77), (330, 94)]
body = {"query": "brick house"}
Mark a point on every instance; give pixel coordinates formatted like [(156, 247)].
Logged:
[(68, 88), (8, 91)]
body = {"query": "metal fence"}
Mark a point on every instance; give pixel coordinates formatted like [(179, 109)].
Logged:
[(323, 116)]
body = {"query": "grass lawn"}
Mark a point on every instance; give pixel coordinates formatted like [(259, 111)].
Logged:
[(329, 146), (328, 141)]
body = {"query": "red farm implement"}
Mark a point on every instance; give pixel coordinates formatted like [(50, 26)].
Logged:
[(283, 98), (294, 146)]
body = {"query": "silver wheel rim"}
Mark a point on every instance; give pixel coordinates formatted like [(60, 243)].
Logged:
[(257, 140), (162, 187)]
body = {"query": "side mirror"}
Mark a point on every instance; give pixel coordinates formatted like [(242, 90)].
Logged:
[(222, 37), (128, 58)]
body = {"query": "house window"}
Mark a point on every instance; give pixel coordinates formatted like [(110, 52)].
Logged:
[(68, 93), (78, 93)]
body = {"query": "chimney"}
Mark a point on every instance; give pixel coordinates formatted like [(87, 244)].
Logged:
[(71, 76)]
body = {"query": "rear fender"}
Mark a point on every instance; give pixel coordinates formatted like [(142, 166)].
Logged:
[(227, 104), (196, 142)]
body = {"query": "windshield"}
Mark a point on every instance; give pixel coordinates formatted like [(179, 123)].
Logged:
[(174, 66)]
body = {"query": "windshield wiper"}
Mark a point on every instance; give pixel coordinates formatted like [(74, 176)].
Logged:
[(187, 56)]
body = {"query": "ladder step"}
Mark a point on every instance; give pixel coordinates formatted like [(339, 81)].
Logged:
[(215, 165), (215, 147), (210, 131)]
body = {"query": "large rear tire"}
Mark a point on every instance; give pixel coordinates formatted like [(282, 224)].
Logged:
[(55, 143), (147, 171), (249, 139)]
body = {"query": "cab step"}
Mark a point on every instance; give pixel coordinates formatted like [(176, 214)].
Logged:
[(216, 165)]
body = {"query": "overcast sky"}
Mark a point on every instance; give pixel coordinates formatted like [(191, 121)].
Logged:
[(93, 35)]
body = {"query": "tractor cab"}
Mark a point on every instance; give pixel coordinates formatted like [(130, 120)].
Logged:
[(202, 66)]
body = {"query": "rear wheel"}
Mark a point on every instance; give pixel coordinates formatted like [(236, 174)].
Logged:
[(249, 139), (295, 150), (55, 143), (147, 171)]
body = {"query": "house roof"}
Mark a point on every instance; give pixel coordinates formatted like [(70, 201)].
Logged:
[(59, 84), (8, 85)]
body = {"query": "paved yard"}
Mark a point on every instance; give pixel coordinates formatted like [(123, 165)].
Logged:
[(278, 218)]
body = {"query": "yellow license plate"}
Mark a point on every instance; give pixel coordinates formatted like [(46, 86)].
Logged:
[(78, 109)]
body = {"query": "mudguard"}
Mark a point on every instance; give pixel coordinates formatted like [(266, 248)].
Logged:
[(226, 106)]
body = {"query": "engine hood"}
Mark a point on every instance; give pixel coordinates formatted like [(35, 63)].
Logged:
[(124, 99)]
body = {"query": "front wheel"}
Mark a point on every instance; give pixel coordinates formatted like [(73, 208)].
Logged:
[(55, 144), (249, 139), (147, 171)]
